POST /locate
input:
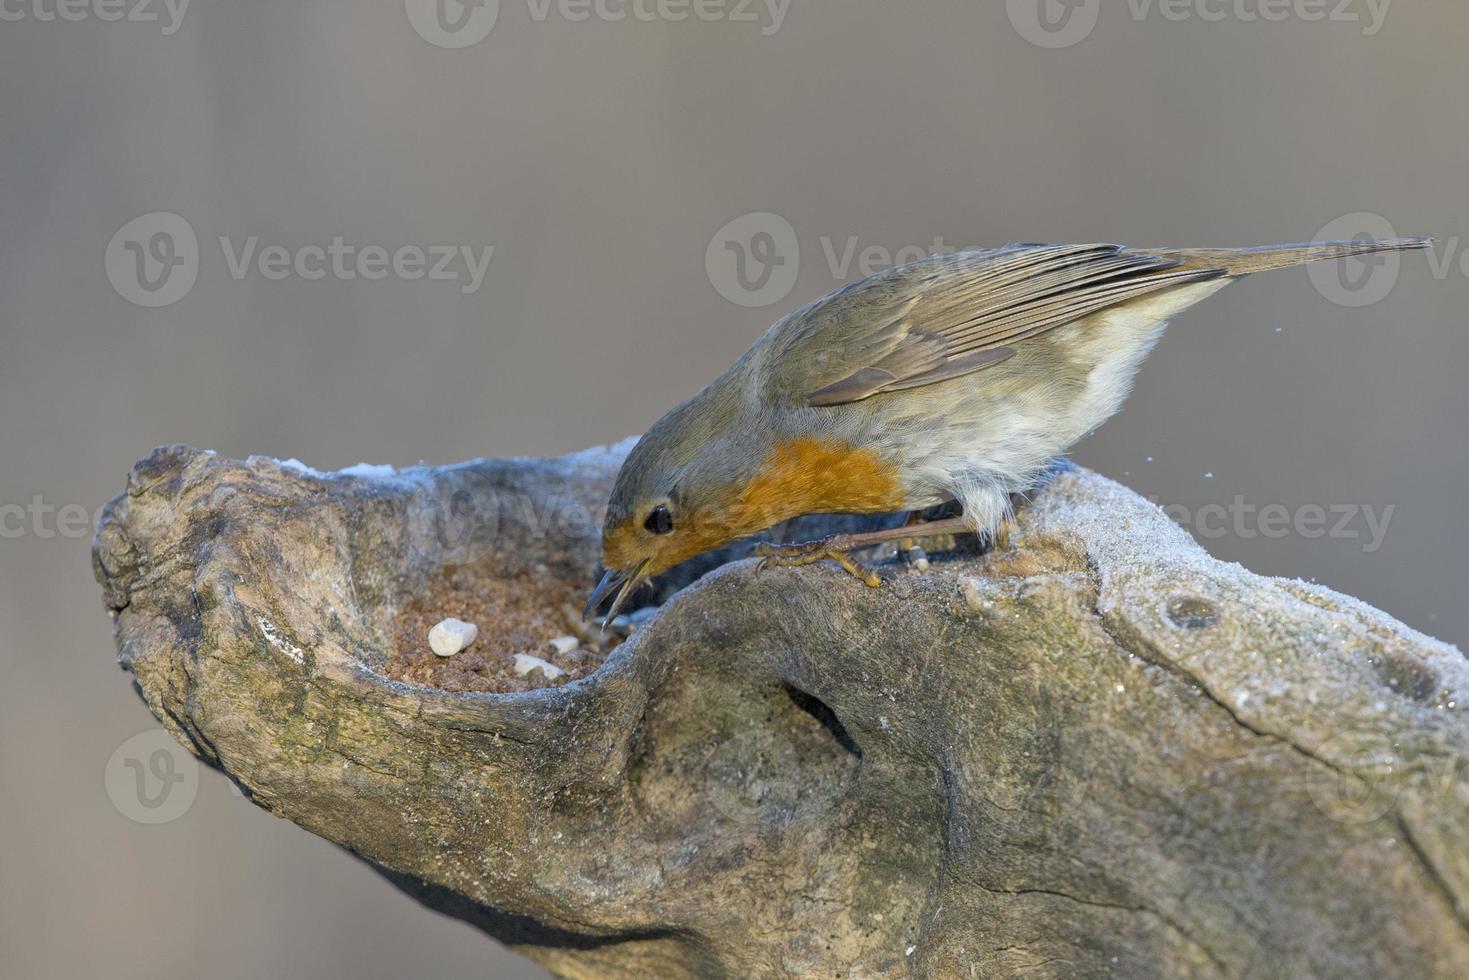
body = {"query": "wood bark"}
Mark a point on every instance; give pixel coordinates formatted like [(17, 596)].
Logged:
[(1095, 752)]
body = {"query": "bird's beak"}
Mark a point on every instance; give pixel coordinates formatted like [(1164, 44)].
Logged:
[(621, 581)]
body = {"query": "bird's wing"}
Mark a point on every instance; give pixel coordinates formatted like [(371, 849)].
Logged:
[(950, 316)]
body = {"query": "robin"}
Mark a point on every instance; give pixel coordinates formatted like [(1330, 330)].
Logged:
[(960, 377)]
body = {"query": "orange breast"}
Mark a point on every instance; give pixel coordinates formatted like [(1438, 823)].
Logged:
[(799, 476), (805, 475)]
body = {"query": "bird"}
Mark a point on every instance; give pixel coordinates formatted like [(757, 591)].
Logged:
[(960, 377)]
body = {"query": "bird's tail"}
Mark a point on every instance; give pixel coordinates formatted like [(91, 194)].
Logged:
[(1263, 258)]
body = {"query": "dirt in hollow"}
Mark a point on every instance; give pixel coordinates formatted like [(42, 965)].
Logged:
[(515, 614)]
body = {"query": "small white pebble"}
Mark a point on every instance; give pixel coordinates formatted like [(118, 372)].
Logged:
[(525, 663), (564, 644), (451, 636)]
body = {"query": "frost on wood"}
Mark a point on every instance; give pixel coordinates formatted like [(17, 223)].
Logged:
[(1096, 752)]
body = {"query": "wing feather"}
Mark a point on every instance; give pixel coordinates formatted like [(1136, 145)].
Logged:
[(949, 316)]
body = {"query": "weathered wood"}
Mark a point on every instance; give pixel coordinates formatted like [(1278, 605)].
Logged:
[(1097, 752)]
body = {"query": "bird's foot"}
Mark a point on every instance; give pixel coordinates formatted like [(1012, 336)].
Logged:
[(837, 548)]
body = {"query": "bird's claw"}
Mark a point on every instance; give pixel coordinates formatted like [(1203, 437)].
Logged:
[(796, 555)]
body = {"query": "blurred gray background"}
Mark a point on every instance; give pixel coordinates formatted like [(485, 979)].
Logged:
[(602, 160)]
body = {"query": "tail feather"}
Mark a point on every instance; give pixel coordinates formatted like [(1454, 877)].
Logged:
[(1263, 258)]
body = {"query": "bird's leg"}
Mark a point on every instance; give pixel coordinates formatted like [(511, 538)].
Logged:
[(839, 547), (909, 547), (1000, 536), (907, 544)]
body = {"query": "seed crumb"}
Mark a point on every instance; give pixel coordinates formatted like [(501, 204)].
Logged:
[(516, 613), (525, 663)]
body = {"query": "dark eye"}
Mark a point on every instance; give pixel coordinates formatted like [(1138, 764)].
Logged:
[(659, 521)]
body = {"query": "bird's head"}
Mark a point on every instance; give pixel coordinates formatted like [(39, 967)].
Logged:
[(678, 494), (711, 472)]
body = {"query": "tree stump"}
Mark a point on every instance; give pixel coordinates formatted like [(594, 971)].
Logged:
[(1094, 752)]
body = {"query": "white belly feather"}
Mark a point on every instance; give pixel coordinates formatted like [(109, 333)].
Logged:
[(988, 450)]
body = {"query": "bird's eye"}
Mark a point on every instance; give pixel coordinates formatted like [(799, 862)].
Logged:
[(659, 521)]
